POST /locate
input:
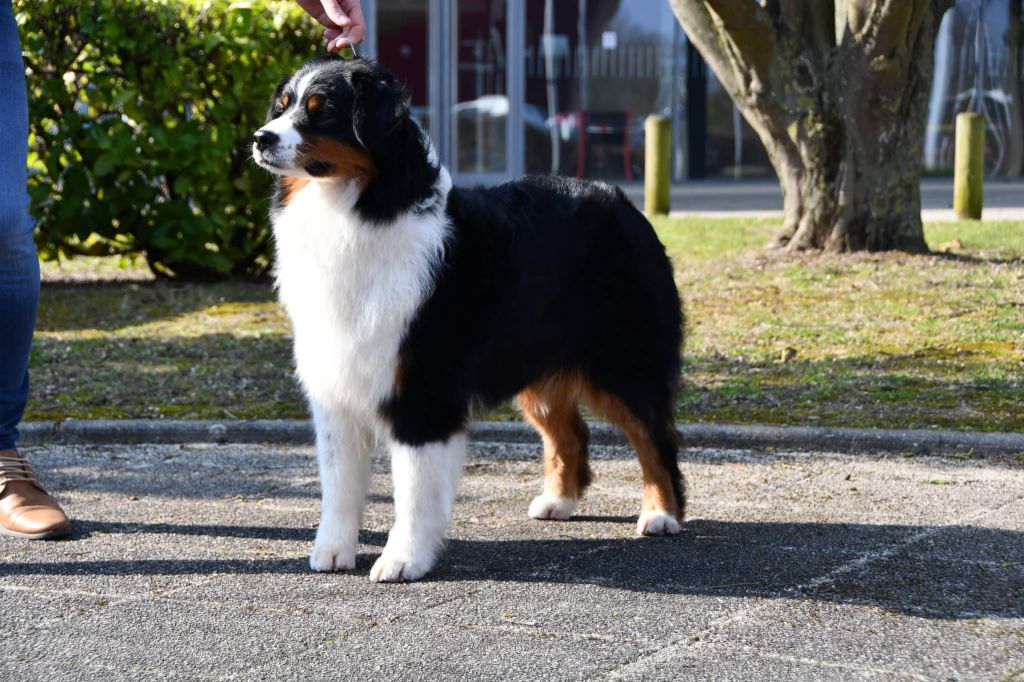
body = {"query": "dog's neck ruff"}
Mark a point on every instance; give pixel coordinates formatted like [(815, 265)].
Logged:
[(352, 288)]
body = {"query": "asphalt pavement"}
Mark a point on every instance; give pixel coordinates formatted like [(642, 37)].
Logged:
[(1004, 198), (190, 562)]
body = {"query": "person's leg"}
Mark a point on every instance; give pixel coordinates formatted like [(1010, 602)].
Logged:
[(25, 508), (19, 267)]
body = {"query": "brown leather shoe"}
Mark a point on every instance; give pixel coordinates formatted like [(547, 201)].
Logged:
[(26, 510)]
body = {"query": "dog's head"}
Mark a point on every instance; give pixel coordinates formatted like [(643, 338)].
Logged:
[(329, 120)]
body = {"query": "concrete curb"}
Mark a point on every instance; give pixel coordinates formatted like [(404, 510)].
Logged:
[(741, 437)]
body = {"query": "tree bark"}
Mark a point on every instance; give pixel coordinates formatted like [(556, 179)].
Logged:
[(838, 93)]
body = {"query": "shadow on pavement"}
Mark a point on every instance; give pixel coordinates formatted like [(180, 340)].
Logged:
[(949, 572)]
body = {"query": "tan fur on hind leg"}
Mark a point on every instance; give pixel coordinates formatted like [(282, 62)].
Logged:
[(659, 512), (551, 406)]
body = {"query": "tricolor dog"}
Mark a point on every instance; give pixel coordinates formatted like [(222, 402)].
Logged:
[(415, 303)]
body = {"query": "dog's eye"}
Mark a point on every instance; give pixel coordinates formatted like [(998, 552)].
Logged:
[(279, 105)]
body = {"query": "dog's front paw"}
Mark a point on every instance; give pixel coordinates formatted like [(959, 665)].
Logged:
[(393, 567), (332, 556), (657, 522), (550, 507)]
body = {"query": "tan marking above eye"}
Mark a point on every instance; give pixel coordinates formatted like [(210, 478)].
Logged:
[(285, 99), (313, 102)]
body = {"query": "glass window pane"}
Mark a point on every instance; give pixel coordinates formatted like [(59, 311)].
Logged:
[(480, 115), (732, 148), (978, 59), (402, 38), (594, 70)]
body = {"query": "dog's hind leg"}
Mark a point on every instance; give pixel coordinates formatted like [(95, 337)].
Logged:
[(656, 443), (426, 479), (551, 406), (343, 449)]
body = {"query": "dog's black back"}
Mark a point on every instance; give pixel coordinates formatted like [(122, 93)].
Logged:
[(546, 279)]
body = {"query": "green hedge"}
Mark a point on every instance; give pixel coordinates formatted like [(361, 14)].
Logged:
[(142, 113)]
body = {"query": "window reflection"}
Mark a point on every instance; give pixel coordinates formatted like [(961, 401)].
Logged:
[(482, 108), (732, 148), (402, 44), (594, 69), (978, 54)]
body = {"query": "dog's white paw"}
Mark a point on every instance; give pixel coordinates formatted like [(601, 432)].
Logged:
[(330, 556), (657, 522), (550, 507), (392, 567)]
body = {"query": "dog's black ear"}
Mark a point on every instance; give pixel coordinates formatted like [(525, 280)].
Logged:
[(381, 105)]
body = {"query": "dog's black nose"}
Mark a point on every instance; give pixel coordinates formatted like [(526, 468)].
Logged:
[(264, 139)]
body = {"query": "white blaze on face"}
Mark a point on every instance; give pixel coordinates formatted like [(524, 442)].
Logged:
[(280, 158), (283, 152)]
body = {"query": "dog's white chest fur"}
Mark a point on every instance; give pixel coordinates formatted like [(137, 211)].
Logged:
[(351, 290)]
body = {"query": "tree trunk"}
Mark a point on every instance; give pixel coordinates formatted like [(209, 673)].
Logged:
[(870, 197), (838, 93)]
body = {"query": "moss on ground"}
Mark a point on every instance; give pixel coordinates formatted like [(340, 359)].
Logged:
[(886, 340), (891, 340)]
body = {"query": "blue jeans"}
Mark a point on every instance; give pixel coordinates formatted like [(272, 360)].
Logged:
[(19, 266)]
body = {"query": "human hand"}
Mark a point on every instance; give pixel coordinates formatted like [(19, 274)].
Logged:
[(343, 21)]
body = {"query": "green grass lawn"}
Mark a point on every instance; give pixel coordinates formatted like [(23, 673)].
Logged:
[(865, 340)]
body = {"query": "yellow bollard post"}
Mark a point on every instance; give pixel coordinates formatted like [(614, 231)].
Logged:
[(657, 164), (969, 166)]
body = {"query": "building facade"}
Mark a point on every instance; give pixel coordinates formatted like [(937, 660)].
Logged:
[(507, 87)]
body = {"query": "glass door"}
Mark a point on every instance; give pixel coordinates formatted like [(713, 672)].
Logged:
[(594, 70), (486, 101), (456, 59), (402, 44)]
